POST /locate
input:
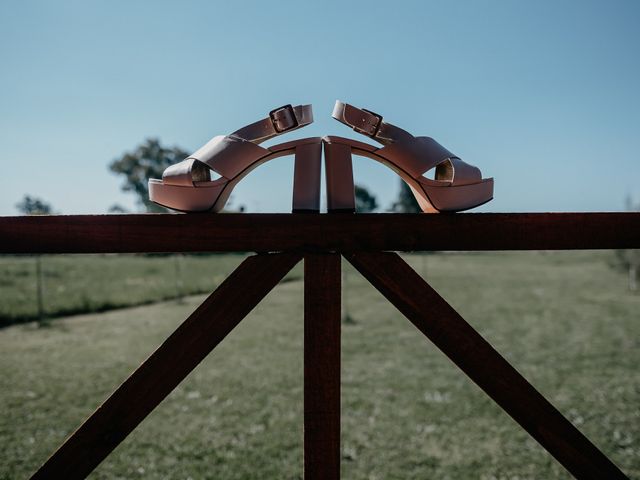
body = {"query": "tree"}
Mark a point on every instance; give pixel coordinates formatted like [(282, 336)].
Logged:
[(406, 202), (147, 161), (33, 206), (117, 208), (365, 201)]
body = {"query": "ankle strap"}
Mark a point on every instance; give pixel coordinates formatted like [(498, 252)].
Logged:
[(280, 120), (369, 123)]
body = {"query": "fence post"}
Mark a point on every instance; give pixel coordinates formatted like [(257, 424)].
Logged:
[(40, 290), (322, 325)]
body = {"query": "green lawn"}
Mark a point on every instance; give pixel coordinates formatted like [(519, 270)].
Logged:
[(565, 320), (93, 283)]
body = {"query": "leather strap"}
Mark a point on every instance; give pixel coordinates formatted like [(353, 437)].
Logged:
[(231, 154), (369, 123), (281, 120), (418, 156), (228, 155), (414, 155)]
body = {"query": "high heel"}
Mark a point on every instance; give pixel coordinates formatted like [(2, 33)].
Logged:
[(306, 177), (339, 177), (187, 186), (456, 186)]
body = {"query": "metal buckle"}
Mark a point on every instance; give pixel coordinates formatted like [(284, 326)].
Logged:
[(273, 114), (370, 129)]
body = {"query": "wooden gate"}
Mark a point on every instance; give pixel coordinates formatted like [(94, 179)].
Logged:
[(280, 241)]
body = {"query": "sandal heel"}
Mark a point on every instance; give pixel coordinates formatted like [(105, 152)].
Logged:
[(339, 178), (306, 178)]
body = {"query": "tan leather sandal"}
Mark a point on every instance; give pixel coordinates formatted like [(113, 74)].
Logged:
[(188, 187), (456, 185)]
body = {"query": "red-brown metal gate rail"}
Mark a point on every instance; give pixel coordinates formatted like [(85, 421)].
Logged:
[(281, 241)]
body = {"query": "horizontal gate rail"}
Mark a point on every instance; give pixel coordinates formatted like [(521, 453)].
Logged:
[(308, 233)]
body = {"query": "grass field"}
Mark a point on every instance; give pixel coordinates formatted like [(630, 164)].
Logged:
[(92, 283), (564, 320)]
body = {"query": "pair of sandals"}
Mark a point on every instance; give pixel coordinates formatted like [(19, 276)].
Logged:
[(188, 186)]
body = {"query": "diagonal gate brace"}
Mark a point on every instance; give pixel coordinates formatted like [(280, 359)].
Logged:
[(439, 322), (185, 348)]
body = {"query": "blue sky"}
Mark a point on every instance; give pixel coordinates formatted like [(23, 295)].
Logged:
[(543, 96)]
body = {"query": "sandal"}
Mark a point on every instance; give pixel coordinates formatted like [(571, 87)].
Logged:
[(188, 187), (456, 185)]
